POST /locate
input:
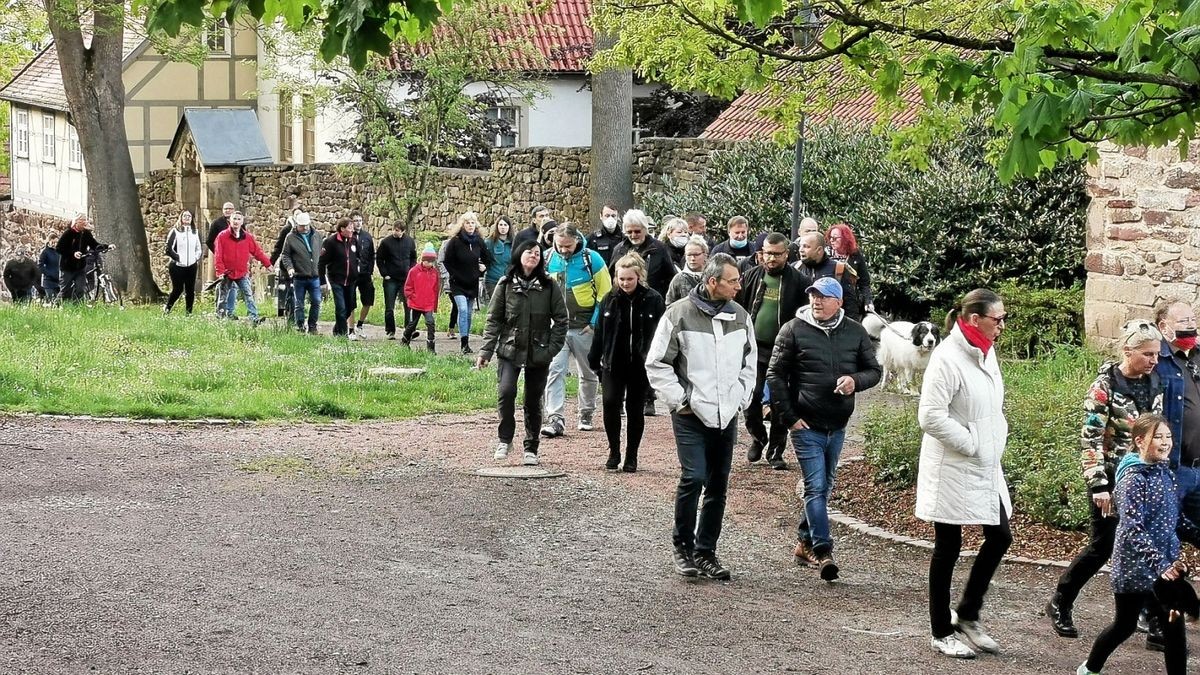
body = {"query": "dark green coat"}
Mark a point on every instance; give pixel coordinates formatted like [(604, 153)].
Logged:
[(525, 328)]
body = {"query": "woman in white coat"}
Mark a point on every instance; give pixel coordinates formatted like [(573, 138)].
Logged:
[(959, 479)]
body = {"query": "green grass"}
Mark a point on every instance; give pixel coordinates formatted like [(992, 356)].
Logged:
[(139, 363)]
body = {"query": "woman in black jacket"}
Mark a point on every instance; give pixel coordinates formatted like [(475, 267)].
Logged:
[(467, 258), (526, 328), (628, 317)]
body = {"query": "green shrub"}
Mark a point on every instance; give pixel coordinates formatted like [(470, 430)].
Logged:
[(1044, 319), (928, 236), (1043, 402)]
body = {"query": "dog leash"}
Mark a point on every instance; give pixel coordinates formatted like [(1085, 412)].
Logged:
[(888, 325)]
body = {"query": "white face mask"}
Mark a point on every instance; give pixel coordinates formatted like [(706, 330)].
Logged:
[(679, 241), (610, 223)]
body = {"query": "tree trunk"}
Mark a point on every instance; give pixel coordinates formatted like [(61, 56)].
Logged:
[(612, 137), (96, 96)]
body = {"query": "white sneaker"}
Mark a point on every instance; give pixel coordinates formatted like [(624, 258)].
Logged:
[(974, 635), (1082, 670), (501, 450), (531, 459), (361, 332), (951, 646), (354, 336)]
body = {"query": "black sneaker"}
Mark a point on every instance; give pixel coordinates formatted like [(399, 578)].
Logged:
[(684, 563), (648, 409), (755, 452), (829, 568), (778, 464), (710, 567)]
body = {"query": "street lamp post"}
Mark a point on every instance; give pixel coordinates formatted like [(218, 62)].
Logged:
[(804, 35)]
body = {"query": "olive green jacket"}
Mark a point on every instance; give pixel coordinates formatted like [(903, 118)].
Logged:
[(527, 326)]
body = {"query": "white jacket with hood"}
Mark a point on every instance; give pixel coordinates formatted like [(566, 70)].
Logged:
[(959, 479), (704, 358)]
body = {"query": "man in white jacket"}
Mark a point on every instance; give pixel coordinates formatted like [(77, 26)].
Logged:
[(702, 365)]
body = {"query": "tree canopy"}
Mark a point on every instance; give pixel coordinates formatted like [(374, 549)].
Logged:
[(1055, 76)]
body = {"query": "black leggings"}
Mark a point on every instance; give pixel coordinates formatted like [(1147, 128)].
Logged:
[(183, 280), (1089, 561), (947, 544), (1128, 606), (628, 388)]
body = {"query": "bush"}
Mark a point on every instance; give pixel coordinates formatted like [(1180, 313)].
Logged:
[(929, 236), (1044, 319), (1043, 406)]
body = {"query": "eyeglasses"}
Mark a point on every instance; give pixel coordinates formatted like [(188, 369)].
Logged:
[(1138, 331), (736, 281), (999, 319)]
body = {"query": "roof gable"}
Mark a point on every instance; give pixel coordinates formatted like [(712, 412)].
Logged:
[(39, 83), (222, 136)]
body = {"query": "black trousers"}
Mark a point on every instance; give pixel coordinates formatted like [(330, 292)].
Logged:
[(183, 282), (74, 284), (947, 544), (1089, 561), (535, 387), (625, 385), (776, 441), (1128, 606)]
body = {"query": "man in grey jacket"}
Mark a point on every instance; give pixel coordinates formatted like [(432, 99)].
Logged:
[(301, 249), (702, 364)]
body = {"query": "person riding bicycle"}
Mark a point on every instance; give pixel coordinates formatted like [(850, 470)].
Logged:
[(73, 246)]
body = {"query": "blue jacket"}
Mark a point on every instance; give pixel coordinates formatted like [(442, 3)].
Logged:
[(1147, 512), (501, 255), (584, 281), (48, 263), (1171, 376)]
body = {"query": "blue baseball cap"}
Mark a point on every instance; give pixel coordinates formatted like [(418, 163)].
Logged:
[(826, 286)]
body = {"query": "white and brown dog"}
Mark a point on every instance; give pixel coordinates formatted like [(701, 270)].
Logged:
[(904, 349)]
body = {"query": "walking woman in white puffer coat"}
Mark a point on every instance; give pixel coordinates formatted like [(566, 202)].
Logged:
[(959, 479)]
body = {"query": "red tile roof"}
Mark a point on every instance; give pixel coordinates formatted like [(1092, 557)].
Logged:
[(562, 35), (852, 104), (40, 83)]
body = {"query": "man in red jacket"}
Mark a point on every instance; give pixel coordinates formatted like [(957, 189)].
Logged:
[(234, 247)]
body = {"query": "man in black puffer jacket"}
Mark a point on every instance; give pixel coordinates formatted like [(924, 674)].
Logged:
[(821, 359)]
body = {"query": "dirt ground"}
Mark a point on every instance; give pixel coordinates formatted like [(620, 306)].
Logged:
[(373, 549)]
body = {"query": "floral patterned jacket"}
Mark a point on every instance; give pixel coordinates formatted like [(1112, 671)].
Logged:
[(1109, 413)]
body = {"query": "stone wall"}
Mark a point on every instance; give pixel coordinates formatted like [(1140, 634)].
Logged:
[(19, 227), (519, 179), (1143, 235)]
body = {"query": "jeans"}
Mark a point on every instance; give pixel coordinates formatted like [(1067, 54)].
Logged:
[(775, 441), (1188, 483), (1128, 606), (705, 457), (579, 343), (1090, 559), (818, 453), (535, 382), (242, 287), (183, 282), (311, 287), (393, 290), (947, 544), (463, 304), (625, 385), (74, 284), (410, 328), (343, 307)]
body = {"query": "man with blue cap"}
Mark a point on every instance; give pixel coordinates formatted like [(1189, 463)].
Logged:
[(821, 358)]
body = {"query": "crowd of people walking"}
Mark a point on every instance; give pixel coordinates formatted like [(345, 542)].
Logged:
[(761, 329)]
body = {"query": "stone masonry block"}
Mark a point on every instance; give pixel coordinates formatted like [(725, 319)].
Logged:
[(1162, 199)]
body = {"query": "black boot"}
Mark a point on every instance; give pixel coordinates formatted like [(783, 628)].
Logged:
[(630, 460), (1060, 617), (406, 338), (466, 344), (429, 345), (614, 460)]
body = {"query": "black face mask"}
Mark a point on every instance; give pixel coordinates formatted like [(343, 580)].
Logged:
[(1185, 333)]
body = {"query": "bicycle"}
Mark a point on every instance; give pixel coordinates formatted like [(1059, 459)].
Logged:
[(285, 296), (98, 282)]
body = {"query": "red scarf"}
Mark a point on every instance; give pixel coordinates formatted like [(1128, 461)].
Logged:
[(974, 336)]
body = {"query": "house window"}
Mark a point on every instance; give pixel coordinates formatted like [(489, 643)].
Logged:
[(512, 115), (310, 139), (218, 38), (285, 127), (48, 139), (75, 153), (21, 145)]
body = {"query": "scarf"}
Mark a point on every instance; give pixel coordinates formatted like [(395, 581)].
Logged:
[(699, 297), (525, 286), (974, 336)]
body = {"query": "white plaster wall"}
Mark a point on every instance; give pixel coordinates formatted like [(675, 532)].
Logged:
[(37, 185)]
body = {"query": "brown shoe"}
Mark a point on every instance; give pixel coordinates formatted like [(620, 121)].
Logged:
[(804, 555)]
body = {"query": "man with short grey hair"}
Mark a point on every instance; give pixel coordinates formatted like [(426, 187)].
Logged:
[(699, 343)]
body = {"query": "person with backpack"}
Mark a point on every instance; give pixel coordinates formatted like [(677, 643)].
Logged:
[(815, 263), (580, 274)]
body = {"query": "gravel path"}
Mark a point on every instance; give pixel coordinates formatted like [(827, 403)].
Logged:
[(372, 549)]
